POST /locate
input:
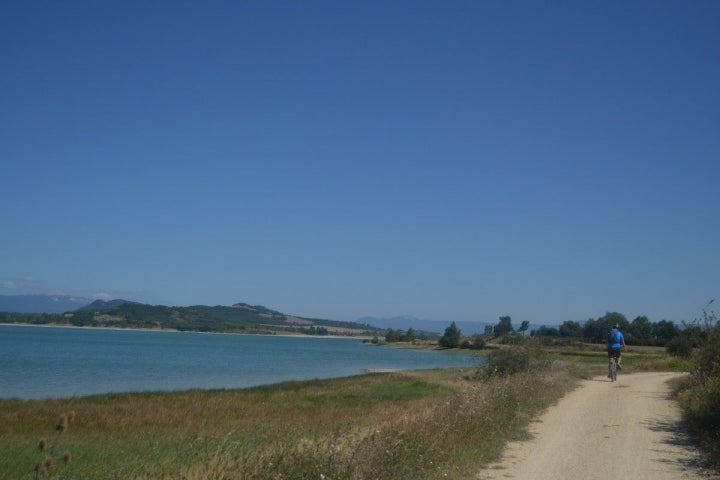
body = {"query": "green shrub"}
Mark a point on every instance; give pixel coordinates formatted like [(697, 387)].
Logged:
[(508, 361), (512, 339), (700, 400), (707, 357), (477, 342), (701, 409), (680, 346)]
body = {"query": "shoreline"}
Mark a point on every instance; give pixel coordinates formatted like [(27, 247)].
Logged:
[(139, 363), (174, 330)]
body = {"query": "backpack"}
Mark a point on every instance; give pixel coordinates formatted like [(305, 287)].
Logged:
[(613, 337)]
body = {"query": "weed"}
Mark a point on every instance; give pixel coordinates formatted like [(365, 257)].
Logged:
[(48, 458), (699, 396)]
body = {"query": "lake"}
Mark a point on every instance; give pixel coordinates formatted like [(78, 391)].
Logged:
[(56, 362)]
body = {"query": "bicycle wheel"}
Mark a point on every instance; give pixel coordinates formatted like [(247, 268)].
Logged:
[(613, 370)]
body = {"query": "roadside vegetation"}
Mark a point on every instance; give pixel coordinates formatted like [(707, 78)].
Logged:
[(699, 393)]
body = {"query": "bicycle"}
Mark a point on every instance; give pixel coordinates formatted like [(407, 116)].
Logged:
[(613, 368)]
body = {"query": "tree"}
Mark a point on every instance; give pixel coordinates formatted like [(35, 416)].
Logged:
[(524, 326), (597, 330), (665, 330), (590, 330), (451, 338), (392, 336), (409, 336), (609, 320), (504, 326), (544, 331), (640, 330), (571, 329)]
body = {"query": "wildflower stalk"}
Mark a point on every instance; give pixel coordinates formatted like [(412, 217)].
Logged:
[(45, 465)]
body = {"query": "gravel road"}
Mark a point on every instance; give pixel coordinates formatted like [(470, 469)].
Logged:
[(624, 430)]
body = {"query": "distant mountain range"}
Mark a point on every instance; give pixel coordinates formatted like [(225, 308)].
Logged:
[(56, 304), (238, 318), (42, 303)]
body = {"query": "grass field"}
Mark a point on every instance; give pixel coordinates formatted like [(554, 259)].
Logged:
[(400, 425)]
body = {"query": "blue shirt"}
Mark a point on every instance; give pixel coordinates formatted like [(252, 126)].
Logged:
[(617, 338)]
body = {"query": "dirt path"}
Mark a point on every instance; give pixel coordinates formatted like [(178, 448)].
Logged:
[(602, 430)]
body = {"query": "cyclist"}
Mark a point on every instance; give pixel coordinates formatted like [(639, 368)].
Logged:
[(615, 342)]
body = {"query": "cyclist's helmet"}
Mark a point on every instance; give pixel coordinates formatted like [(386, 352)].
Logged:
[(617, 325)]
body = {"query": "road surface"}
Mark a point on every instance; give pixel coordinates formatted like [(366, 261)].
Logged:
[(629, 429)]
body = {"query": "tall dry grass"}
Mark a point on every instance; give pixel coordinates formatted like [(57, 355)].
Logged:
[(699, 393), (395, 425)]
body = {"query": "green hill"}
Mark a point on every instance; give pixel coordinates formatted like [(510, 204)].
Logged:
[(238, 318)]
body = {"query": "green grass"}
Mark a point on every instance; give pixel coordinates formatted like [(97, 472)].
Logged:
[(403, 425), (699, 393), (390, 425), (637, 358)]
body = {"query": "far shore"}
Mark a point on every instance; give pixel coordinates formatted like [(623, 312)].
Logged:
[(174, 330)]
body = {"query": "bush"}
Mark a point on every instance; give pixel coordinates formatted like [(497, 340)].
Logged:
[(477, 342), (707, 358), (680, 346), (512, 339), (509, 361), (700, 401), (701, 409)]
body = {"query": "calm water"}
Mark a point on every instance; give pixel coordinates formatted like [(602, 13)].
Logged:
[(47, 362)]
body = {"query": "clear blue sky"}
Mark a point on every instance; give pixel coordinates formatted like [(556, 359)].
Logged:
[(455, 160)]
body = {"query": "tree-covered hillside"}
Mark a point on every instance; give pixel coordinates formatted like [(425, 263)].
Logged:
[(239, 318)]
